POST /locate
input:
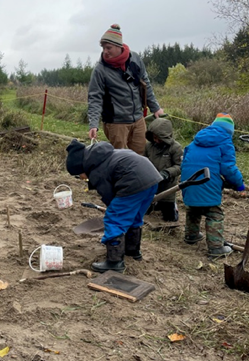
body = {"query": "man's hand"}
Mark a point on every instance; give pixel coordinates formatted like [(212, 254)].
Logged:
[(93, 133), (159, 112)]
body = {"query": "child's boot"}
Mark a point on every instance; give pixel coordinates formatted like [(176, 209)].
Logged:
[(193, 239), (169, 211), (219, 252), (133, 242), (114, 258)]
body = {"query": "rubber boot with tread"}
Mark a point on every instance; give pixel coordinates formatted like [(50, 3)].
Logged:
[(114, 258)]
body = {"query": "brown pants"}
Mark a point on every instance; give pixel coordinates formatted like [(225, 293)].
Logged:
[(130, 136)]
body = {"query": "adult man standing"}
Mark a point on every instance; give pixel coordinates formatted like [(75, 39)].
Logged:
[(118, 90)]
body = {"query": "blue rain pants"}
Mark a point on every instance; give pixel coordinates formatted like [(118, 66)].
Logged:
[(125, 212)]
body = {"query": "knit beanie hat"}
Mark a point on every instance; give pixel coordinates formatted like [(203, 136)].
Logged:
[(113, 36), (74, 162), (225, 121)]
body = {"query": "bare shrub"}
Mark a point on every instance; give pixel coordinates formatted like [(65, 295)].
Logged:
[(202, 105)]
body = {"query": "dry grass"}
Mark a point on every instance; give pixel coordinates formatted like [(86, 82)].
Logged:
[(197, 105), (33, 159), (55, 95), (202, 105), (67, 103)]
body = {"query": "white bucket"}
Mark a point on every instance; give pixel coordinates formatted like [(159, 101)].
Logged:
[(63, 199), (51, 258)]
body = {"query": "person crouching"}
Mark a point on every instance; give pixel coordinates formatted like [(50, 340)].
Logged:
[(127, 183)]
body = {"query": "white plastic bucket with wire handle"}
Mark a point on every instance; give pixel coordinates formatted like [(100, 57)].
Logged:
[(63, 199), (51, 258)]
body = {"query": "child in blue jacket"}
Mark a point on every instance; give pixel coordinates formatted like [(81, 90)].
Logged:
[(212, 147)]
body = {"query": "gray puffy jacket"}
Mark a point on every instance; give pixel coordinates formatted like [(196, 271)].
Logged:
[(115, 99), (117, 172)]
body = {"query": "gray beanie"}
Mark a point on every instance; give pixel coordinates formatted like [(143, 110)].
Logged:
[(74, 162)]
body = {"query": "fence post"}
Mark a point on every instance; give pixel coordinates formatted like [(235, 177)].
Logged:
[(44, 108)]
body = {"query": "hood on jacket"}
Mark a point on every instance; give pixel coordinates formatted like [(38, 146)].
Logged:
[(162, 128), (211, 136), (95, 154)]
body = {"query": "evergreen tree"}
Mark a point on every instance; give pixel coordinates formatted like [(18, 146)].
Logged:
[(3, 75), (166, 57), (22, 75)]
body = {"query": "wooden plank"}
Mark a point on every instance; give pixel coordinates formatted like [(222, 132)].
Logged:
[(55, 135), (112, 291), (25, 129), (121, 285)]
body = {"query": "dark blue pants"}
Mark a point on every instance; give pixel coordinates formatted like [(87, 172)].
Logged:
[(125, 212)]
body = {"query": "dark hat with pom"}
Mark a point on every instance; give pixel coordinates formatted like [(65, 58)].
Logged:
[(113, 36), (74, 162)]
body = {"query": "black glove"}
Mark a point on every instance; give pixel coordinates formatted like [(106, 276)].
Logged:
[(227, 185), (165, 174)]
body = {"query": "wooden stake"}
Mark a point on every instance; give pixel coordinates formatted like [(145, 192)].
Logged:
[(20, 244), (8, 216)]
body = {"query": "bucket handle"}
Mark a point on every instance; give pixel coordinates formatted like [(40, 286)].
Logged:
[(93, 140), (30, 260), (62, 185)]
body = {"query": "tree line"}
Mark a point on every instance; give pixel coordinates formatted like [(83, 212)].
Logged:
[(229, 61)]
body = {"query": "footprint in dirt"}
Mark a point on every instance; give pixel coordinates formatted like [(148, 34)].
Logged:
[(44, 217)]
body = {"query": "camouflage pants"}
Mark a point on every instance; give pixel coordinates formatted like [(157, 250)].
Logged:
[(214, 224)]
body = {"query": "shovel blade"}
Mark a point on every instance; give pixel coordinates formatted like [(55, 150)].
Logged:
[(91, 226), (236, 277)]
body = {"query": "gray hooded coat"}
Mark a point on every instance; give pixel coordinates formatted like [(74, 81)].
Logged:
[(117, 172)]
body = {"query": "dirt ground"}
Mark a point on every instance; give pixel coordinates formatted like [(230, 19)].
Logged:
[(62, 319)]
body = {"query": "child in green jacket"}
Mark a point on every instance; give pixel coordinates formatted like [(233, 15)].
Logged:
[(165, 154)]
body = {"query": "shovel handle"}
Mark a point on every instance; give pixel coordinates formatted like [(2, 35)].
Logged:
[(193, 179), (189, 182), (92, 205)]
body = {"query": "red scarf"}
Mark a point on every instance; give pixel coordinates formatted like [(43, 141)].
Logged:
[(119, 61)]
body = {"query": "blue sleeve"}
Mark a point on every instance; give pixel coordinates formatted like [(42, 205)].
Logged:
[(229, 170)]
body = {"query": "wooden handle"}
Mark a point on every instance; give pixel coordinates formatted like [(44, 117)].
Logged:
[(85, 272), (114, 292)]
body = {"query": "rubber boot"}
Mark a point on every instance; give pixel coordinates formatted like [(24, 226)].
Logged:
[(132, 243), (194, 239), (169, 211), (114, 258)]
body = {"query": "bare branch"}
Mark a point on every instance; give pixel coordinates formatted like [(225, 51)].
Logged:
[(235, 12)]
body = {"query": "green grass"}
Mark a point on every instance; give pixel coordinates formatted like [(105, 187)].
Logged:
[(50, 123), (80, 130)]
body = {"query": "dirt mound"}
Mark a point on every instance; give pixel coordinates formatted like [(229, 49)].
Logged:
[(62, 319)]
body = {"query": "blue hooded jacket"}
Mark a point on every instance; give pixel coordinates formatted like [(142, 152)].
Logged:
[(212, 147)]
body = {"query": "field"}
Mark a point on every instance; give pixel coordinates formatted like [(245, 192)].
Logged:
[(62, 319)]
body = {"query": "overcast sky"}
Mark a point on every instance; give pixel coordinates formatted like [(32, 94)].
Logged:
[(42, 32)]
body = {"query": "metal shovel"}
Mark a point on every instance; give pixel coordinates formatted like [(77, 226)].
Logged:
[(96, 225), (236, 277), (193, 180)]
